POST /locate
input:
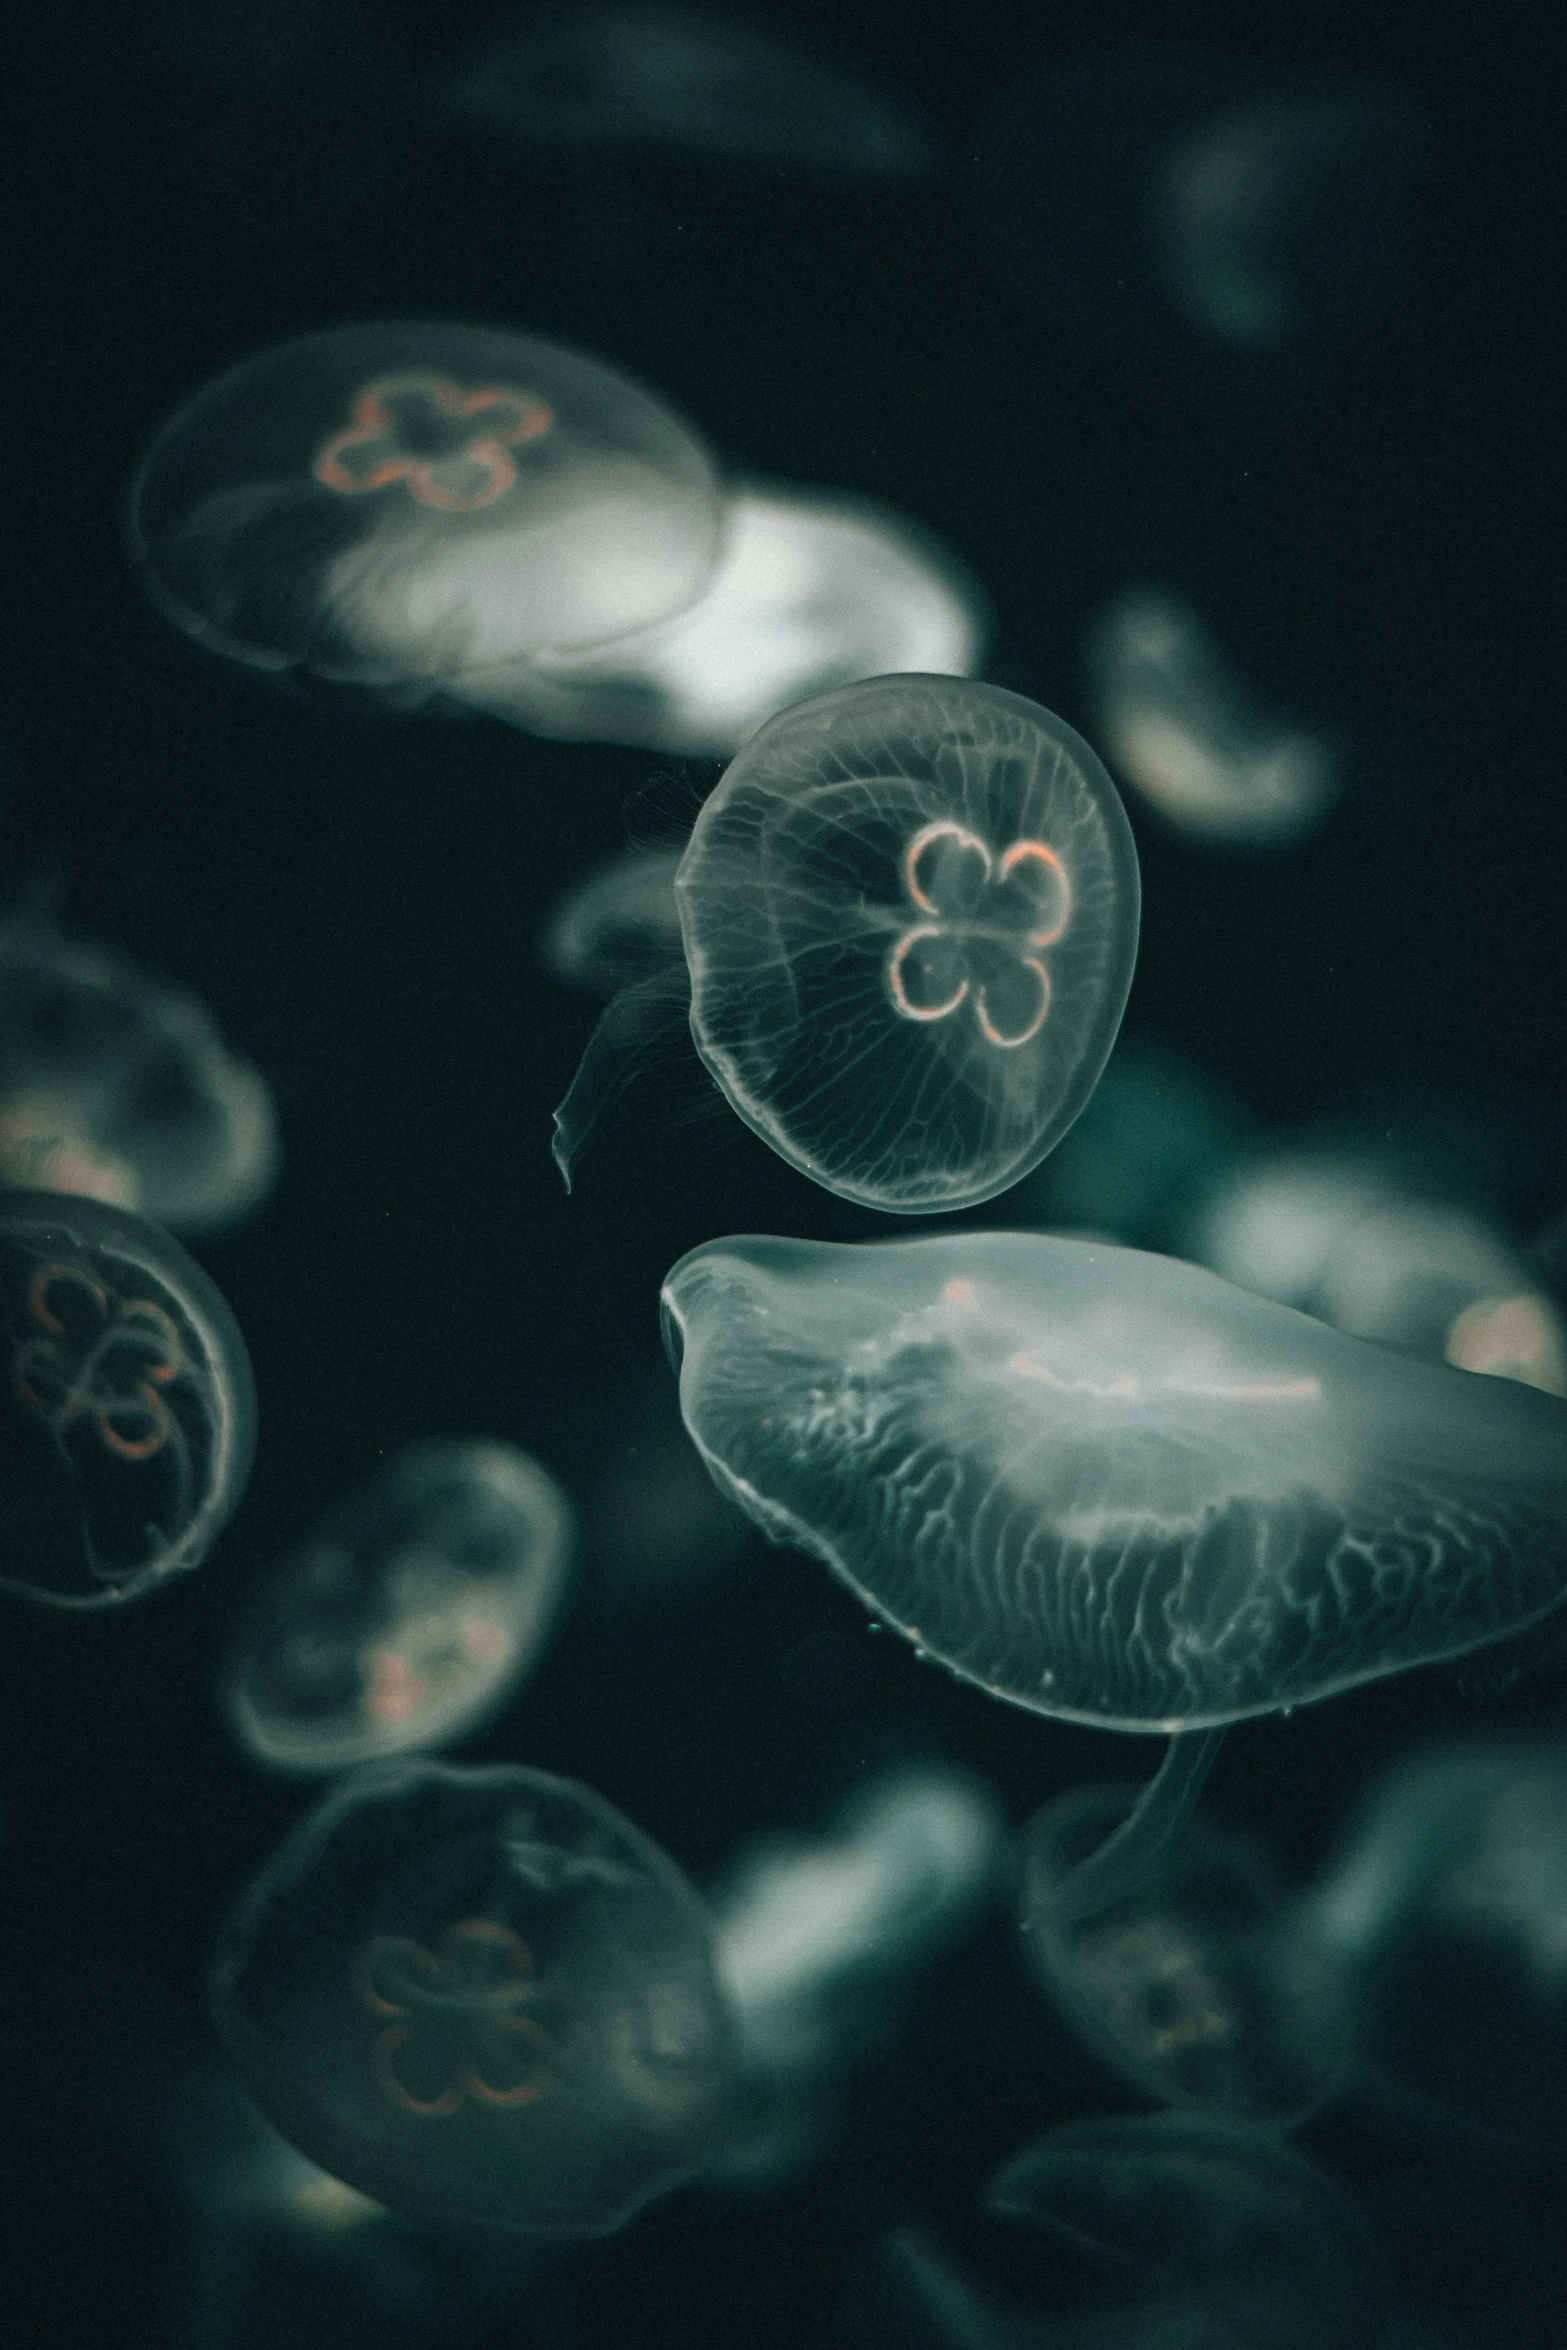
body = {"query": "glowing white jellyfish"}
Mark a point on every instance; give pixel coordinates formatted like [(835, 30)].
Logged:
[(394, 506), (119, 1088), (1179, 724), (409, 1616), (812, 591)]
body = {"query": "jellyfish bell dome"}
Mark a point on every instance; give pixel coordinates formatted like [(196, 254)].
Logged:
[(1109, 1486), (392, 505), (910, 914)]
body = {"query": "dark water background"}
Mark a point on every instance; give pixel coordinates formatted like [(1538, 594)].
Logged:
[(1369, 528)]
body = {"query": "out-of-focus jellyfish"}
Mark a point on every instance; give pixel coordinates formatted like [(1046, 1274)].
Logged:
[(118, 1088), (1109, 1486), (1332, 1232), (128, 1412), (910, 916), (410, 1614), (1190, 1985), (1220, 2210), (1276, 219), (819, 1940), (1155, 1135), (480, 1996), (615, 926), (395, 506), (1446, 1907), (677, 77), (812, 592), (1180, 724)]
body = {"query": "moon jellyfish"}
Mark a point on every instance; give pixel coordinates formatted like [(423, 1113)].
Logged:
[(1108, 1486), (397, 505), (1182, 727), (811, 592), (128, 1412), (615, 926), (481, 1997), (1154, 1137), (817, 1940), (1446, 1907), (677, 77), (410, 1614), (117, 1088), (1190, 1985), (910, 918)]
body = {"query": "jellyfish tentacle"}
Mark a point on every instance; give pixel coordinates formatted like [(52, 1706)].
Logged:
[(629, 1031), (1129, 1851)]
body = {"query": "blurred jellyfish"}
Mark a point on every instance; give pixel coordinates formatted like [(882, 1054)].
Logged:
[(812, 592), (1446, 1907), (409, 1616), (910, 916), (1277, 219), (817, 1941), (1182, 727), (677, 77), (482, 1997), (1191, 1986), (616, 925), (1155, 1134), (128, 1414), (395, 506), (1220, 2210), (117, 1088), (1109, 1486)]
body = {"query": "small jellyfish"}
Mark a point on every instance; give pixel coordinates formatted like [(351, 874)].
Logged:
[(393, 506), (1155, 1136), (1190, 1985), (678, 77), (481, 1997), (117, 1088), (1109, 1486), (128, 1413), (615, 926), (910, 916), (410, 1614), (812, 592), (1445, 1906), (1182, 727)]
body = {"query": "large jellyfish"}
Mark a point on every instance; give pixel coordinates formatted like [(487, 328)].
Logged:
[(910, 917), (396, 506), (128, 1412), (118, 1088), (479, 1996), (409, 1615)]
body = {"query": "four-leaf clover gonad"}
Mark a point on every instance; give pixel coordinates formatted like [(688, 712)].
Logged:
[(449, 447), (984, 921), (453, 2031), (100, 1360)]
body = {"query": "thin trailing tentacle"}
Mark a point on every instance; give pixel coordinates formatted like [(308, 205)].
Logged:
[(1125, 1856), (629, 1030)]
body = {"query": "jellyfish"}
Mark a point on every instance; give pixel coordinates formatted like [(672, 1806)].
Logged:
[(910, 918), (480, 1996), (1157, 1134), (118, 1088), (678, 77), (1192, 738), (615, 926), (395, 506), (410, 1614), (1445, 1906), (128, 1414), (1190, 1984), (812, 592), (818, 1938)]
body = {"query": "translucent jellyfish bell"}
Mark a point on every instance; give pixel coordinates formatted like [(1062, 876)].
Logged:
[(1109, 1486), (615, 926), (127, 1413), (397, 505), (811, 592), (480, 1996), (117, 1088), (409, 1616), (1180, 725), (910, 917)]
